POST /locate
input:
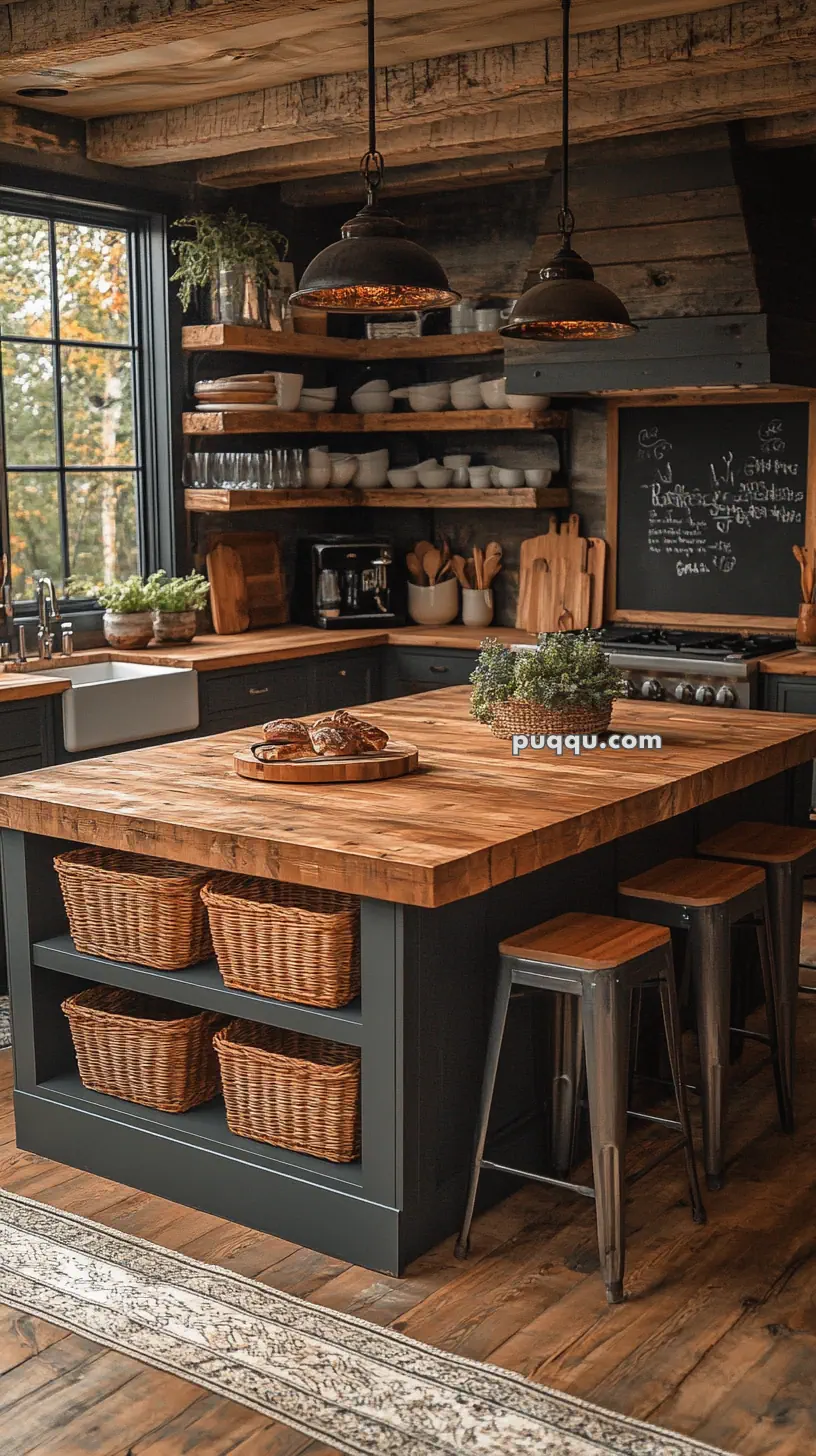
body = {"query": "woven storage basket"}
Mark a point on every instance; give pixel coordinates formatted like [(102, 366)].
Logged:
[(295, 1091), (517, 716), (143, 1049), (127, 907), (288, 941)]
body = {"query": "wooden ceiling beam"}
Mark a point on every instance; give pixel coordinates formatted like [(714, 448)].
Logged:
[(425, 177), (790, 130), (735, 40), (594, 116)]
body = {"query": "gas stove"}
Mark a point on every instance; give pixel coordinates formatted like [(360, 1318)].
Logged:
[(712, 669)]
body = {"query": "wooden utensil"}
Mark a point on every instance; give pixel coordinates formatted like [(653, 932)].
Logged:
[(460, 570), (420, 549), (799, 555), (478, 566), (431, 563), (415, 568)]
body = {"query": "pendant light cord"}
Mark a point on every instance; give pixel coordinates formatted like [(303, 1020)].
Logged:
[(566, 221), (372, 165)]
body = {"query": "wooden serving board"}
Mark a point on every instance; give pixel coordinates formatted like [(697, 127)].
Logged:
[(561, 580), (251, 586), (394, 760)]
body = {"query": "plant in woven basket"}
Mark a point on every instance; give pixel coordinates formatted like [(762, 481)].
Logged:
[(565, 672)]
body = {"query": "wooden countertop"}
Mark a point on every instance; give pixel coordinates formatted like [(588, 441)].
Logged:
[(792, 664), (249, 649), (471, 817)]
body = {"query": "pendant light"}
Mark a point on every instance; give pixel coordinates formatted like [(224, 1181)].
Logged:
[(567, 303), (375, 268)]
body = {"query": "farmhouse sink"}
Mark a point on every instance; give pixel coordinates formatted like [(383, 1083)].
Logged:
[(124, 702)]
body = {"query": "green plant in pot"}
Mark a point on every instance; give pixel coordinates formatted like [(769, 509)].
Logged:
[(175, 600), (232, 257), (566, 684), (128, 619)]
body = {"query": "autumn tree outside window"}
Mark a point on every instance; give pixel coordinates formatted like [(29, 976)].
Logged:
[(71, 491)]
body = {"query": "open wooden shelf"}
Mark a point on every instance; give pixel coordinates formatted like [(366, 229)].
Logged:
[(235, 337), (296, 422), (524, 498)]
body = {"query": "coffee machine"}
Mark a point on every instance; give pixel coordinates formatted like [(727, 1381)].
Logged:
[(347, 581)]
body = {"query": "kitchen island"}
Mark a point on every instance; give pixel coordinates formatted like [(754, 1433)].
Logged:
[(474, 846)]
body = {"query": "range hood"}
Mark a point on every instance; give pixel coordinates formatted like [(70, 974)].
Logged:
[(712, 249)]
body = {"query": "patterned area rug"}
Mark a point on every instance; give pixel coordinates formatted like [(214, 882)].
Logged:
[(5, 1024), (361, 1389)]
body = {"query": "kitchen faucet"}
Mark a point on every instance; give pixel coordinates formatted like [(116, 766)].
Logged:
[(47, 613)]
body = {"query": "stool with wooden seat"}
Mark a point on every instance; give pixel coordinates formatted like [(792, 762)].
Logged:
[(602, 960), (706, 898), (788, 855)]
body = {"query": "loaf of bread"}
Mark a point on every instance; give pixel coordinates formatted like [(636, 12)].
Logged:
[(274, 752), (286, 730), (357, 736)]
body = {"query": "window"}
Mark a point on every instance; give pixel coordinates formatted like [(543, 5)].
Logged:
[(73, 498)]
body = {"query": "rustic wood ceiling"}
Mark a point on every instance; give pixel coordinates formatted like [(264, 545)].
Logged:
[(273, 90)]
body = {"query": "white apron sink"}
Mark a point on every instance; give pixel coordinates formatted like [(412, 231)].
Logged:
[(123, 702)]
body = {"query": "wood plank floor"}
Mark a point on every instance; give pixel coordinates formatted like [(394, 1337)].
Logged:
[(717, 1337)]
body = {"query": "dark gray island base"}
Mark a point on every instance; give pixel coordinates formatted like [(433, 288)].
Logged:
[(421, 1021)]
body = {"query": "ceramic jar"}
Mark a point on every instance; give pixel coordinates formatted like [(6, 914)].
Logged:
[(433, 606), (128, 629), (477, 606), (174, 626)]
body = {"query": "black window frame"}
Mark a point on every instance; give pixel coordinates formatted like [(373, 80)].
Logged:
[(151, 345)]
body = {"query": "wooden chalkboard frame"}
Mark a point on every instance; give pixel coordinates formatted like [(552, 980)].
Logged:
[(746, 396)]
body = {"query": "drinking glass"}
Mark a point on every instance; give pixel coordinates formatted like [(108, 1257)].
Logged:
[(297, 470)]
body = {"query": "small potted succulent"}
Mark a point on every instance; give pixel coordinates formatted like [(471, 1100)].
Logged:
[(566, 684), (174, 601), (128, 619), (233, 257)]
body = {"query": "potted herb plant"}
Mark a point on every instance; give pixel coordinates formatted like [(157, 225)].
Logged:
[(233, 257), (174, 601), (128, 619), (566, 684)]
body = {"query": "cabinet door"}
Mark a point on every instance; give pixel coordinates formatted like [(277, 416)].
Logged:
[(251, 696), (344, 681), (24, 736), (792, 695), (422, 669)]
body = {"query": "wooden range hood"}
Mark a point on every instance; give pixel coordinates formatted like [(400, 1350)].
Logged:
[(712, 249)]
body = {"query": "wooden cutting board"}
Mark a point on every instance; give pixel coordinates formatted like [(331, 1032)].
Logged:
[(558, 590), (263, 589), (395, 760), (228, 590)]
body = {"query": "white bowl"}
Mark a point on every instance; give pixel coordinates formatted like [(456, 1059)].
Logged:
[(343, 471), (373, 386), (537, 477), (509, 478), (372, 404), (403, 479), (288, 387), (318, 454), (315, 406), (316, 478), (374, 457), (467, 401), (470, 381), (479, 476), (456, 462), (371, 479), (528, 401), (430, 397), (493, 394), (436, 479)]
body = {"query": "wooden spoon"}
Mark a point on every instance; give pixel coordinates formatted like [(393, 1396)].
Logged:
[(460, 570), (431, 563), (421, 548), (478, 566), (799, 553), (415, 567), (492, 567)]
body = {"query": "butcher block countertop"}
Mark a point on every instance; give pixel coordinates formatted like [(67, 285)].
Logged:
[(790, 664), (249, 649), (471, 817)]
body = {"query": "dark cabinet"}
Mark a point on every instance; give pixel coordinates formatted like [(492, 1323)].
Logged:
[(248, 696), (421, 669), (343, 680), (26, 743), (782, 694)]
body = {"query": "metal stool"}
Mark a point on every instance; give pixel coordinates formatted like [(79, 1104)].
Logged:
[(787, 855), (601, 960), (707, 897)]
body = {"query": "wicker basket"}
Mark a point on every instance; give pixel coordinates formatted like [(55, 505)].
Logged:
[(143, 1049), (287, 941), (295, 1091), (127, 907), (517, 716)]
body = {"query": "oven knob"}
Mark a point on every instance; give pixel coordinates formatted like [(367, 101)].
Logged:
[(684, 692), (726, 697), (651, 687), (704, 695), (630, 689)]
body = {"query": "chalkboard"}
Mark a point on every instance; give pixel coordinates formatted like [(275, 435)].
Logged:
[(710, 501)]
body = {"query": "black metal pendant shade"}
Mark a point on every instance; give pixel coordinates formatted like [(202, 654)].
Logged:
[(567, 303), (375, 268)]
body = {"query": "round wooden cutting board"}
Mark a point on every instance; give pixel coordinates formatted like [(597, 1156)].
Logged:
[(396, 759)]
